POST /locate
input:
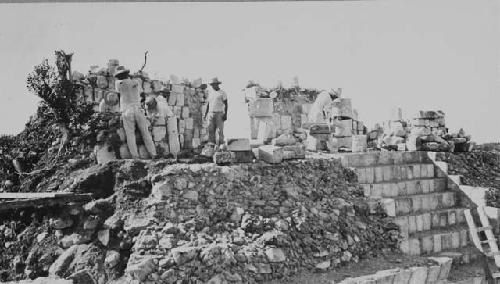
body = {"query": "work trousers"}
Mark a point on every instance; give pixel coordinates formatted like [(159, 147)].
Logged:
[(133, 117), (215, 122)]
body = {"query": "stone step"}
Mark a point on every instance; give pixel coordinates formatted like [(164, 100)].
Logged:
[(410, 224), (435, 241), (460, 256), (403, 188), (421, 203), (384, 158), (386, 173)]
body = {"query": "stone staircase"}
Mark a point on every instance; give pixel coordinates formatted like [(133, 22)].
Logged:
[(417, 195)]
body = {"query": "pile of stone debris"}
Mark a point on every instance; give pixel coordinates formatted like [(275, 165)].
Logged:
[(253, 222)]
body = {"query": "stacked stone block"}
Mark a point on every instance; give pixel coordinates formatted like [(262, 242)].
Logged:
[(396, 131), (350, 133), (270, 118), (428, 128), (417, 195)]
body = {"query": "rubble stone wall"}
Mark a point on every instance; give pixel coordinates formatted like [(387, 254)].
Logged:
[(252, 222)]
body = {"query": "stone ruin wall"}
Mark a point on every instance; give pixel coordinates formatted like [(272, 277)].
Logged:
[(288, 112), (186, 99)]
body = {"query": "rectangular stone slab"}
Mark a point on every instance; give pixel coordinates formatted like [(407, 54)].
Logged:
[(243, 156), (343, 108), (271, 154), (261, 107), (238, 144)]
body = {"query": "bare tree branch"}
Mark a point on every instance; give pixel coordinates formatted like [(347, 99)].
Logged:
[(145, 60)]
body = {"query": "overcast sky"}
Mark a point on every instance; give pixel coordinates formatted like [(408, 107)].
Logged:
[(426, 55)]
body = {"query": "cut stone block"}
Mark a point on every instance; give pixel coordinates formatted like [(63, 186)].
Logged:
[(412, 223), (266, 130), (359, 143), (261, 107), (344, 129), (437, 243), (174, 143), (188, 123), (238, 144), (271, 154), (177, 111), (286, 122), (221, 158), (185, 112), (418, 276), (427, 244), (389, 206), (244, 156), (433, 274), (317, 142), (180, 100), (172, 99), (277, 120), (343, 108), (288, 155), (403, 224), (182, 126), (414, 248), (342, 142), (402, 277)]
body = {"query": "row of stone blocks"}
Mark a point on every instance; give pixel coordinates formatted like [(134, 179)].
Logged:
[(432, 274), (438, 219), (387, 173), (384, 158), (403, 188), (412, 204), (435, 241)]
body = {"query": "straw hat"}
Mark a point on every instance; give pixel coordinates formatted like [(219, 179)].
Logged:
[(215, 81), (120, 70)]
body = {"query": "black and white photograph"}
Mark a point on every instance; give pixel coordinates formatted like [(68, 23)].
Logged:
[(239, 141)]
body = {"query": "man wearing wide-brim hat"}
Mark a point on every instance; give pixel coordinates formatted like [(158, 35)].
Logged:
[(325, 99), (132, 114), (216, 112)]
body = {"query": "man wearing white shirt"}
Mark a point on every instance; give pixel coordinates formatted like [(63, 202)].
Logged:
[(324, 100), (216, 112), (132, 114)]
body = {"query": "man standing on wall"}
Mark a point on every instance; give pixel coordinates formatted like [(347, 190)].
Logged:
[(132, 114), (216, 112)]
